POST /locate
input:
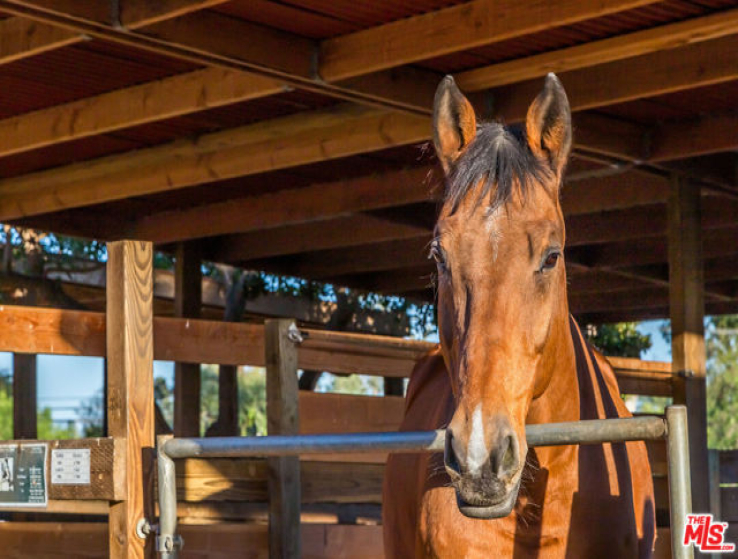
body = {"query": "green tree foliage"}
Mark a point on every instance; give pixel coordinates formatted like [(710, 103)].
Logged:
[(251, 399), (48, 431), (722, 382), (45, 426), (624, 340), (621, 340), (351, 384)]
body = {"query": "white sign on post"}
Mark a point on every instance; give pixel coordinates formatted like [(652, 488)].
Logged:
[(70, 466)]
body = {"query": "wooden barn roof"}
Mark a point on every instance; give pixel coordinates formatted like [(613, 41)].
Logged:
[(291, 135)]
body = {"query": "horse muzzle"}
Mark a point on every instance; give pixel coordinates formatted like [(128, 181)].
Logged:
[(485, 510), (486, 482)]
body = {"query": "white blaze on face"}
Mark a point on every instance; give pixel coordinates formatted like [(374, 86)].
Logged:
[(477, 453)]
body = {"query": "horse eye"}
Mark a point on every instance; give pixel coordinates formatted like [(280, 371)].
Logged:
[(550, 261)]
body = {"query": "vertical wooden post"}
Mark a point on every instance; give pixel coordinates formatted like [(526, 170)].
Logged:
[(713, 463), (282, 419), (228, 400), (187, 304), (24, 396), (394, 387), (687, 309), (130, 353)]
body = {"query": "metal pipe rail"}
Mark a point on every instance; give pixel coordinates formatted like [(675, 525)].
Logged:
[(674, 429)]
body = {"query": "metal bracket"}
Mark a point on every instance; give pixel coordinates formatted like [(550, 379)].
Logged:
[(687, 373), (294, 335), (167, 544), (144, 528)]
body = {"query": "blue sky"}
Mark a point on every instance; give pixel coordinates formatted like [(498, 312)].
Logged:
[(65, 382)]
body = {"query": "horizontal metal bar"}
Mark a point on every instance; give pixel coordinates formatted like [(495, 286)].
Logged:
[(549, 434)]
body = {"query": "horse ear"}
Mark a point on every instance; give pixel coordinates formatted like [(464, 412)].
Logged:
[(454, 122), (548, 124)]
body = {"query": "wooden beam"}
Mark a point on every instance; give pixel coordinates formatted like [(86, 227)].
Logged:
[(629, 45), (458, 28), (687, 311), (282, 419), (659, 73), (267, 48), (187, 304), (130, 353), (717, 242), (139, 13), (287, 207), (643, 221), (652, 313), (355, 230), (276, 144), (391, 255), (703, 136), (24, 396), (149, 102), (133, 14), (617, 192), (59, 332), (23, 38)]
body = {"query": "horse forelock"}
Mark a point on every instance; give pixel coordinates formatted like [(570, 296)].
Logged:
[(498, 157)]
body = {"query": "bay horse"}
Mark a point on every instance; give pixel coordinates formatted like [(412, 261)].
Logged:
[(510, 354)]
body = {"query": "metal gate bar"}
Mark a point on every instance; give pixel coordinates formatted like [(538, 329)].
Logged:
[(673, 428)]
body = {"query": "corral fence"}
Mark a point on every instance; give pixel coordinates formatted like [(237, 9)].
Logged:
[(673, 429), (225, 505)]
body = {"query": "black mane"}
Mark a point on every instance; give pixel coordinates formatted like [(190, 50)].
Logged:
[(497, 154)]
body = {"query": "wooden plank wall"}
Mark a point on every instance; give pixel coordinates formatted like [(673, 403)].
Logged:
[(216, 541)]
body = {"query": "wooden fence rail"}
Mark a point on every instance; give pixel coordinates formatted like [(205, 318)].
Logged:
[(64, 332)]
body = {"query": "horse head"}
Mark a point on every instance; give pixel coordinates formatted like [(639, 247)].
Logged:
[(502, 307)]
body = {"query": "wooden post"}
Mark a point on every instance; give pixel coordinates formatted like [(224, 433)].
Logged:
[(713, 462), (687, 309), (187, 304), (24, 396), (394, 386), (282, 419), (130, 353), (228, 400)]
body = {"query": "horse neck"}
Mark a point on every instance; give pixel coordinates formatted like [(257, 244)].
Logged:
[(560, 400)]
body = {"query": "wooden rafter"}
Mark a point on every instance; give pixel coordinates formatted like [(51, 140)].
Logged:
[(317, 202), (717, 243), (702, 136), (132, 13), (277, 144), (23, 38), (629, 45), (150, 102), (659, 73), (341, 232), (470, 25)]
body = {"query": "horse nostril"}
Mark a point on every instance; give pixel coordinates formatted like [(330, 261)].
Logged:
[(449, 456), (504, 459)]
